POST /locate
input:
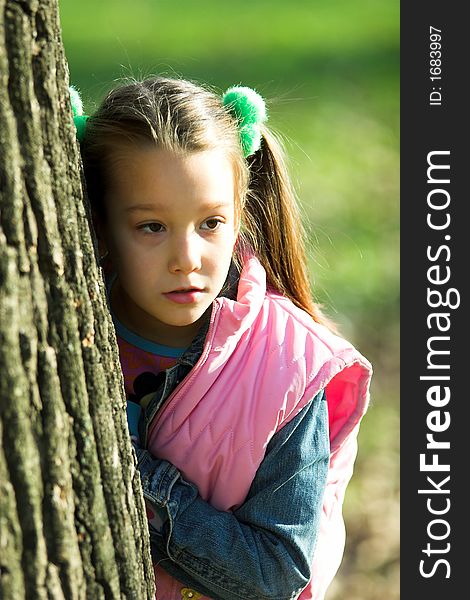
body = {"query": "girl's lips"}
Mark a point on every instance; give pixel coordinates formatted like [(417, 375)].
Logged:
[(184, 296)]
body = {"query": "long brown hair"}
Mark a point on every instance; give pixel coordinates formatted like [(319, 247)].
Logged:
[(181, 116)]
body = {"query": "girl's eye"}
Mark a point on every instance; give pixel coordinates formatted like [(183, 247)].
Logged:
[(151, 227), (211, 224)]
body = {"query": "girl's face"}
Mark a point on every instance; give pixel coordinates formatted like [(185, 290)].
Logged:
[(170, 231)]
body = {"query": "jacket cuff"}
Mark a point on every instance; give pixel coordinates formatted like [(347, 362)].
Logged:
[(157, 479), (157, 476)]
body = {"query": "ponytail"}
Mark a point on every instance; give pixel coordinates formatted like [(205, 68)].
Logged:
[(273, 228)]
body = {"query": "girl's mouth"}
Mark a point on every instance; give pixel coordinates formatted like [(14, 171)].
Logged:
[(184, 296)]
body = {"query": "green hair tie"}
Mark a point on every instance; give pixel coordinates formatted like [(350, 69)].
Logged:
[(248, 107), (77, 109)]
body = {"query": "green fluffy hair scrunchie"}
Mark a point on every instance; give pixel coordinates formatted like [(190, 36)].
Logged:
[(77, 109), (249, 108)]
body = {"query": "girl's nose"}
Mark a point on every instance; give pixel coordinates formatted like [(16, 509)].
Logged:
[(185, 255)]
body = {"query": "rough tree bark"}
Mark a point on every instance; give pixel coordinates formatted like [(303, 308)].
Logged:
[(72, 518)]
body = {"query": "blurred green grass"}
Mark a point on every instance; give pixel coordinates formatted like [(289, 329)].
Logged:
[(330, 74)]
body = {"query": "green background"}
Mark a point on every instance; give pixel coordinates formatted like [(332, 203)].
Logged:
[(330, 74)]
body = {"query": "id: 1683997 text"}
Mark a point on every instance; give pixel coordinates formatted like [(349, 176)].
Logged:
[(435, 66)]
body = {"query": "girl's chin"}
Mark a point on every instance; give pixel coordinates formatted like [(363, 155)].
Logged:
[(190, 319)]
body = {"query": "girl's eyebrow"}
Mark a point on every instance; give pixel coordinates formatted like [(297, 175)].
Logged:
[(153, 206), (144, 207)]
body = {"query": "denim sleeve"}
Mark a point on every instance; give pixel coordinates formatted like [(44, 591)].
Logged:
[(264, 549)]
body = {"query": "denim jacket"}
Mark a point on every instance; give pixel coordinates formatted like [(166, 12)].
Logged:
[(264, 549)]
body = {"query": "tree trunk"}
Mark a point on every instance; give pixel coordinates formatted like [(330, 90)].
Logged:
[(72, 517)]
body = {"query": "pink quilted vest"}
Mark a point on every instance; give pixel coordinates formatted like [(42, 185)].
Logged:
[(263, 360)]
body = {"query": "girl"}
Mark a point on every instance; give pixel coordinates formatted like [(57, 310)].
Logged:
[(248, 405)]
